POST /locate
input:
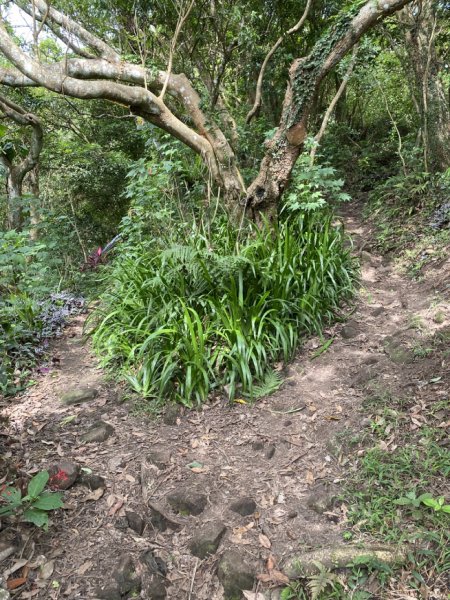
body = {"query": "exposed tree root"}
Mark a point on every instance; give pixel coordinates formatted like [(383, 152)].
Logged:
[(339, 557)]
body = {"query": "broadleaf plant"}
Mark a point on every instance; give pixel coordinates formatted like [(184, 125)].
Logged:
[(34, 507)]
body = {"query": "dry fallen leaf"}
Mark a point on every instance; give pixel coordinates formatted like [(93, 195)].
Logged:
[(21, 562), (94, 495), (273, 576), (31, 594), (309, 477), (264, 541), (238, 533), (253, 595), (84, 568), (46, 570), (117, 506), (279, 577), (12, 584)]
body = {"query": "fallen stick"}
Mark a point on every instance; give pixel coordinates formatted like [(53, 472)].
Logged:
[(339, 557)]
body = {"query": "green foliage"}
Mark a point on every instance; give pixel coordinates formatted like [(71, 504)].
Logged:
[(324, 580), (35, 505), (437, 504), (396, 495), (404, 210), (22, 277), (313, 187), (209, 306)]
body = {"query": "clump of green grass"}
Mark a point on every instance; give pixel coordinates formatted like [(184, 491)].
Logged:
[(218, 308), (397, 495)]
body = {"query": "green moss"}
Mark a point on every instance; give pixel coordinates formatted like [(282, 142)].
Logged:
[(309, 69)]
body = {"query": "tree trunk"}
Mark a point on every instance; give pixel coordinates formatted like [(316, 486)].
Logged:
[(431, 98), (305, 77), (14, 195), (33, 180), (17, 172)]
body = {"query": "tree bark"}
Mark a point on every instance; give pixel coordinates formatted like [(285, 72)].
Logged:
[(305, 77), (420, 35), (17, 172)]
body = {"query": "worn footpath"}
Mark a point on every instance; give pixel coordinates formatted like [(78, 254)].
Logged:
[(203, 504)]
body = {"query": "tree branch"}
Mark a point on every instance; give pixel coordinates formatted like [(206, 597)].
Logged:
[(297, 26), (332, 105), (181, 21), (17, 114), (91, 40)]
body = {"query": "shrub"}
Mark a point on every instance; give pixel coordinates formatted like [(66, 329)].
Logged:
[(219, 308)]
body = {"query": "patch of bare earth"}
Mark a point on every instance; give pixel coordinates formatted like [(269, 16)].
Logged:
[(188, 477)]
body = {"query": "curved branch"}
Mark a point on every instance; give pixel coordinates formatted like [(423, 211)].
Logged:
[(297, 26), (332, 105), (67, 39), (17, 114), (305, 77), (53, 15), (181, 21)]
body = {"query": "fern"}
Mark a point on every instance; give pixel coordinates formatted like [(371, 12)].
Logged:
[(269, 385), (286, 594), (317, 584)]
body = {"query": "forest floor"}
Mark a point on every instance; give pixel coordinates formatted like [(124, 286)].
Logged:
[(256, 485)]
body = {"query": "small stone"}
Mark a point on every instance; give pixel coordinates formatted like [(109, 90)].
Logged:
[(397, 353), (235, 574), (371, 360), (154, 564), (258, 445), (99, 432), (171, 414), (350, 330), (155, 588), (158, 520), (287, 423), (153, 580), (291, 382), (159, 459), (366, 257), (91, 481), (79, 395), (135, 522), (270, 451), (109, 591), (320, 501), (292, 514), (244, 506), (363, 377), (187, 502), (121, 523), (62, 474), (126, 577), (207, 540), (379, 310)]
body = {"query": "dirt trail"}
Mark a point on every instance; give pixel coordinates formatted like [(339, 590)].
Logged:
[(280, 454)]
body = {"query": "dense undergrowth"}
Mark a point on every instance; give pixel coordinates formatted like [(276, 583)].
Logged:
[(32, 309), (207, 305), (411, 217)]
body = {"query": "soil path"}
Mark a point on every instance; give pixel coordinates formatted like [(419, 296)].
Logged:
[(281, 457)]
